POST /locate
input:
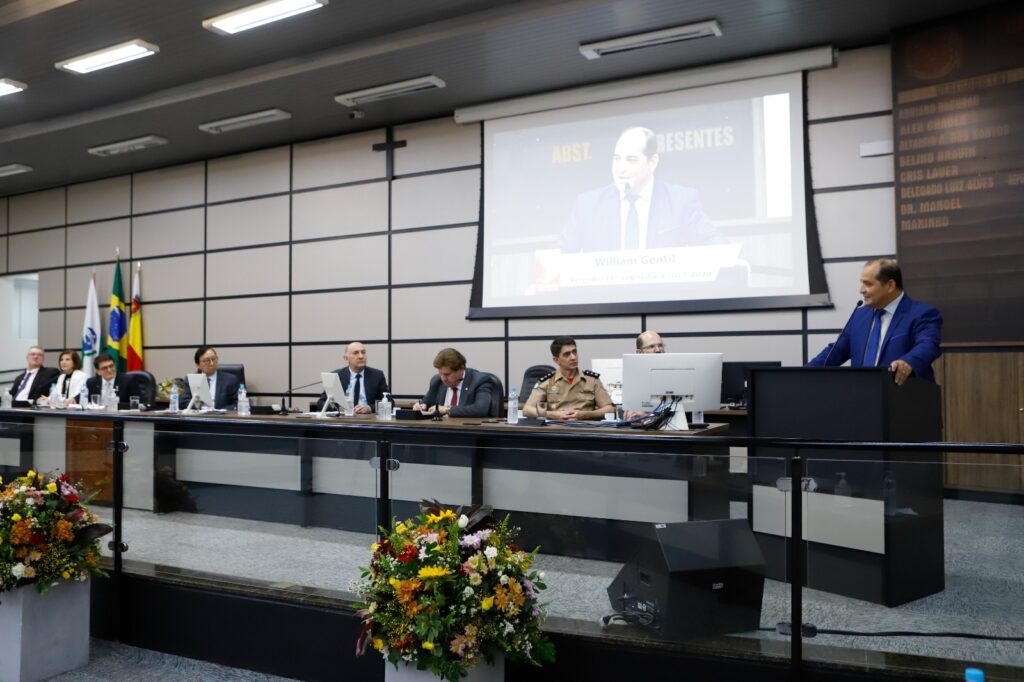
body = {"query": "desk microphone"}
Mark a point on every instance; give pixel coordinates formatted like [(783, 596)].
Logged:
[(860, 302), (288, 394)]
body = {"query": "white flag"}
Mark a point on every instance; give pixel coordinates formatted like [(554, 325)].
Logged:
[(90, 330)]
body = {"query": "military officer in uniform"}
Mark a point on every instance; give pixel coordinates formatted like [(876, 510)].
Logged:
[(570, 394)]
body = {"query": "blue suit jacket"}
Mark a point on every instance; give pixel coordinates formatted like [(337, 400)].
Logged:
[(676, 218), (914, 334), (480, 395)]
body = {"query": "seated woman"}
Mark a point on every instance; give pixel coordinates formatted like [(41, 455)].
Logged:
[(71, 379)]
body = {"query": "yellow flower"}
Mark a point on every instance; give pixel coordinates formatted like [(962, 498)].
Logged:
[(65, 575), (487, 603), (374, 547), (394, 582), (378, 643), (31, 474), (52, 487), (429, 646), (401, 528), (15, 517), (437, 518), (434, 572)]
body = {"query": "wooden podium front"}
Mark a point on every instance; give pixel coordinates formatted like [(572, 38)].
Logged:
[(88, 459)]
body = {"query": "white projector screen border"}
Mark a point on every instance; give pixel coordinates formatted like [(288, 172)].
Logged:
[(807, 289)]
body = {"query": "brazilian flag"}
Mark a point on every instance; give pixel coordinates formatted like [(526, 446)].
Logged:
[(117, 329)]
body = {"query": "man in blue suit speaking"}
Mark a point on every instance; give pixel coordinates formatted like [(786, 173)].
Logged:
[(892, 330), (637, 211)]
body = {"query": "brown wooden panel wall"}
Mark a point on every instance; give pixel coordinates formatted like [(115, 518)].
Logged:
[(983, 402)]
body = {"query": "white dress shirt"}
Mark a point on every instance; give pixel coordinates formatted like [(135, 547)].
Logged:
[(450, 392), (212, 380), (643, 212), (26, 384), (886, 319)]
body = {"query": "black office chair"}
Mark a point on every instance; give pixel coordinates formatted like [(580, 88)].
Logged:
[(237, 370), (142, 384), (497, 398), (530, 378)]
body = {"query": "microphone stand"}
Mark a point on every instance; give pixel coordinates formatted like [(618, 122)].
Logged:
[(288, 395), (848, 321)]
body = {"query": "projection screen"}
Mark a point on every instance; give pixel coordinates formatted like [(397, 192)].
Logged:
[(688, 200)]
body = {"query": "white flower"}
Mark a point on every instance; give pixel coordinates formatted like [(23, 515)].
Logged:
[(468, 592), (30, 500), (491, 552), (18, 570), (463, 521), (509, 628), (504, 579), (541, 575)]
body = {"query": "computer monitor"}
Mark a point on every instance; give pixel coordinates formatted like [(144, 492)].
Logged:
[(610, 370), (200, 388), (334, 391), (736, 378), (696, 378)]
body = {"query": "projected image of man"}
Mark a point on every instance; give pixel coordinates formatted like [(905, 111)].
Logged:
[(637, 211)]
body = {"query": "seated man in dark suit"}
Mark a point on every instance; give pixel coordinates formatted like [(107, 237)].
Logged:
[(107, 379), (637, 211), (370, 383), (223, 385), (892, 330), (457, 390), (36, 380)]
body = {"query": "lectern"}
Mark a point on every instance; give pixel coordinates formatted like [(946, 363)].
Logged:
[(873, 526)]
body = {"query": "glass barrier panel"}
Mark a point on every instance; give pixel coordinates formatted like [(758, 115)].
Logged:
[(916, 564), (634, 545)]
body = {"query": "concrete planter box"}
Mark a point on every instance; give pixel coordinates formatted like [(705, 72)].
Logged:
[(42, 635)]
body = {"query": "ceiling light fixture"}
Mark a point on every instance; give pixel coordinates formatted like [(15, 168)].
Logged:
[(9, 87), (375, 94), (124, 146), (257, 118), (259, 14), (703, 29), (14, 169), (108, 56)]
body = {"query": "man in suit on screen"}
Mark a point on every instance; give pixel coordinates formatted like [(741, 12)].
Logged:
[(637, 211), (891, 330), (370, 383)]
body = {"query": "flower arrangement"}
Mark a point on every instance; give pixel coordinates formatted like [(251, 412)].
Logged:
[(46, 532), (163, 389), (448, 589)]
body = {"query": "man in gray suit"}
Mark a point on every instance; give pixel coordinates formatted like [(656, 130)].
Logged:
[(460, 391)]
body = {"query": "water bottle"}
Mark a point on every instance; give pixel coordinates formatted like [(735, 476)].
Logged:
[(54, 397), (7, 400), (83, 397), (513, 406), (173, 407), (384, 408), (974, 675), (243, 402), (349, 397), (114, 400)]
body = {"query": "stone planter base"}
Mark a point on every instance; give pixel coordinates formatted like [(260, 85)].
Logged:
[(42, 635), (479, 673)]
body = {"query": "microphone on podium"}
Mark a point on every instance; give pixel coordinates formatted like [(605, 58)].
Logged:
[(288, 395), (860, 302)]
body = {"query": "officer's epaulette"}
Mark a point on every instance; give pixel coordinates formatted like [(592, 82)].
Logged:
[(546, 376), (591, 373)]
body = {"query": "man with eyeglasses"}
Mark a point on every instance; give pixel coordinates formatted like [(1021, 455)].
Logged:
[(223, 385), (649, 342), (36, 380)]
